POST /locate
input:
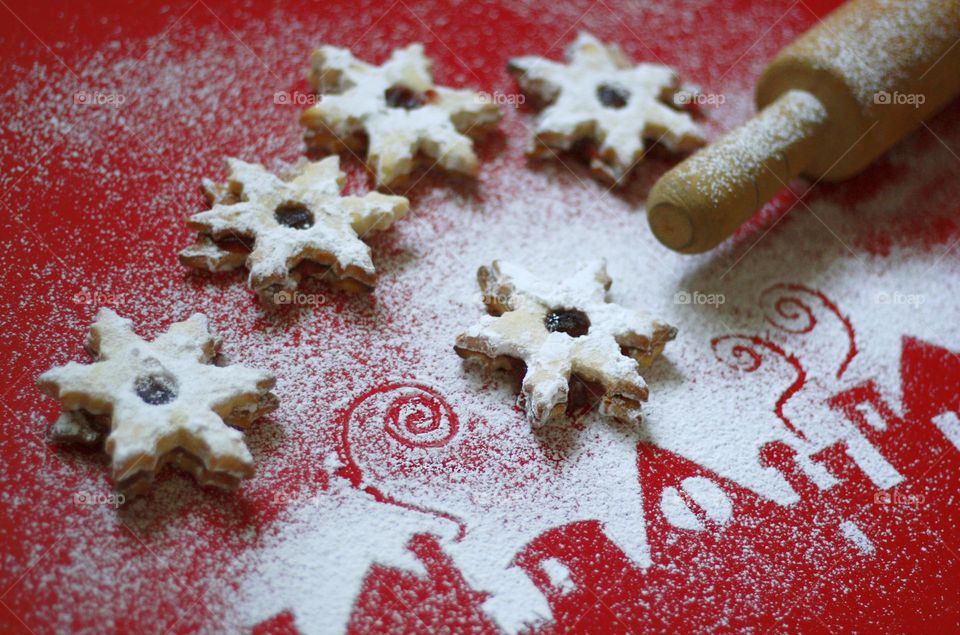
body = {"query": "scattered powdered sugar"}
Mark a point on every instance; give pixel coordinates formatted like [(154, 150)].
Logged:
[(321, 554), (872, 49), (709, 497), (345, 477), (856, 536), (698, 408), (737, 161), (559, 575), (677, 511), (949, 425)]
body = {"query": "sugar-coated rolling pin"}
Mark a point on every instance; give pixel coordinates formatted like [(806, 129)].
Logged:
[(828, 105)]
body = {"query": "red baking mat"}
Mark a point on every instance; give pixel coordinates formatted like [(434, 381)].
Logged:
[(828, 319)]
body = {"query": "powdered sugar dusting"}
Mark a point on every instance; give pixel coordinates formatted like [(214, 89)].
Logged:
[(872, 49), (559, 575), (856, 536), (190, 559)]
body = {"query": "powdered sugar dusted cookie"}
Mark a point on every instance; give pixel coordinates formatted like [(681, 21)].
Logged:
[(564, 329), (601, 98), (395, 111), (284, 228), (160, 402)]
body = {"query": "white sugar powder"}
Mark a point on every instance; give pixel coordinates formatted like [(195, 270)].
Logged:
[(490, 485), (559, 575), (856, 536)]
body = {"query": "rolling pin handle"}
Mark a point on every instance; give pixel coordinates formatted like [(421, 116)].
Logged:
[(704, 199)]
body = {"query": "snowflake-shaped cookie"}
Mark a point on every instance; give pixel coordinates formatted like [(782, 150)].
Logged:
[(396, 111), (565, 329), (601, 98), (159, 402), (298, 225)]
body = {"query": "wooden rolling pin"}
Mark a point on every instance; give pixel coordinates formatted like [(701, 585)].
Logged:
[(828, 105)]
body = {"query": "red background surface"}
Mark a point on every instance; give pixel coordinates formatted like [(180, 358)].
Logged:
[(49, 243)]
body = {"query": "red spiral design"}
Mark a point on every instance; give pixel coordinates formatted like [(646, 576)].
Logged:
[(740, 356), (413, 415), (745, 347), (790, 309), (420, 420)]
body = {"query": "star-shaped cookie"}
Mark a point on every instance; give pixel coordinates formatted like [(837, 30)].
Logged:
[(600, 98), (282, 229), (158, 402), (564, 329), (395, 112)]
